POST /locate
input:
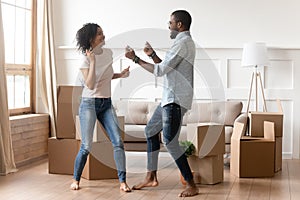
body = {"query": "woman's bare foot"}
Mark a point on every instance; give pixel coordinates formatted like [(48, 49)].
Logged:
[(124, 187), (191, 190), (74, 185), (150, 181)]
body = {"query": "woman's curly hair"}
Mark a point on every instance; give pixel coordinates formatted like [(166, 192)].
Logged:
[(85, 36)]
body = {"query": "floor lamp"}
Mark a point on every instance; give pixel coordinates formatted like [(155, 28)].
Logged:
[(255, 55)]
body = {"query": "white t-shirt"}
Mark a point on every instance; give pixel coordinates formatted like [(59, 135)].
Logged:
[(104, 74)]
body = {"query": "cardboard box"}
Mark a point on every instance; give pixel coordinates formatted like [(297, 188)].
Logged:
[(100, 134), (208, 138), (100, 162), (210, 168), (61, 155), (68, 100), (278, 154), (256, 122), (253, 156)]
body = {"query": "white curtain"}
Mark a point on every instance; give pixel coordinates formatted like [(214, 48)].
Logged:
[(46, 65), (7, 163)]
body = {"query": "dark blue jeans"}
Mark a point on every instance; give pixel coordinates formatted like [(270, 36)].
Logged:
[(90, 110), (169, 120)]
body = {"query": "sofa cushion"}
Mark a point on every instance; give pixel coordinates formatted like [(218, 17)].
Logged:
[(135, 112), (220, 112), (134, 133)]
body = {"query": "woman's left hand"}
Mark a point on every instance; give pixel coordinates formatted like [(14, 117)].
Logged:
[(125, 73)]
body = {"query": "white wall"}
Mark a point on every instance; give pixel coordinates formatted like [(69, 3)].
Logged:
[(220, 26), (216, 23)]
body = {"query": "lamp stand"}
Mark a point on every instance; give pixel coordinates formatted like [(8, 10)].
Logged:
[(256, 75)]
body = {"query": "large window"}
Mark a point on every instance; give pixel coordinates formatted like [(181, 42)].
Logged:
[(18, 18)]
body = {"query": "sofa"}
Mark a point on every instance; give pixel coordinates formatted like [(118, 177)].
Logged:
[(138, 113)]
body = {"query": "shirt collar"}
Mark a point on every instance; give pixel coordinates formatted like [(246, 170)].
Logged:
[(182, 34)]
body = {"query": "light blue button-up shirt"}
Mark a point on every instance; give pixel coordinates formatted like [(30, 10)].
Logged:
[(177, 70)]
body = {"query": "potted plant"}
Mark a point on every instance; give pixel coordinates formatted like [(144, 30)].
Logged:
[(189, 150), (188, 147)]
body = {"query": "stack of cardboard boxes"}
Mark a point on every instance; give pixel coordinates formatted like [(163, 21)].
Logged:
[(257, 119), (64, 147), (208, 162), (260, 154)]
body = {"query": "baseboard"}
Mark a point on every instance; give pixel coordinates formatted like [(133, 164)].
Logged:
[(30, 161)]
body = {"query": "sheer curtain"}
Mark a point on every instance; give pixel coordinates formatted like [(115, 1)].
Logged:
[(7, 163), (46, 61)]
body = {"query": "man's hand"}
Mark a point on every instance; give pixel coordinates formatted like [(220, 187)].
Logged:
[(129, 53), (148, 49)]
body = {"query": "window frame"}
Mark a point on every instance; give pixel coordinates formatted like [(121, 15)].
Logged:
[(27, 69)]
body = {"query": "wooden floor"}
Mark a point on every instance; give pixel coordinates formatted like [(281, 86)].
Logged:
[(33, 182)]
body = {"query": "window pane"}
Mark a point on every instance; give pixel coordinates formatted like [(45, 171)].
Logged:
[(8, 1), (24, 3), (22, 51), (20, 3), (8, 15), (28, 4), (28, 38), (21, 91), (10, 91)]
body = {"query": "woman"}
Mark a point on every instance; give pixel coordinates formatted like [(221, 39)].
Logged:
[(96, 75)]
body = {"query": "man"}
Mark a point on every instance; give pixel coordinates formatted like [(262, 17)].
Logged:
[(177, 71)]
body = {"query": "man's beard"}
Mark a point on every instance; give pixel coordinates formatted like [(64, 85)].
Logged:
[(173, 34)]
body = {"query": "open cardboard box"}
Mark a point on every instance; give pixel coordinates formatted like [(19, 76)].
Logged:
[(256, 121), (208, 162), (253, 156), (208, 138)]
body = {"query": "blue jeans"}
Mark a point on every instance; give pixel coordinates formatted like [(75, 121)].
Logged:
[(169, 120), (99, 108)]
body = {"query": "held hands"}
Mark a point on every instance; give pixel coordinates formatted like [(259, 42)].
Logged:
[(125, 73)]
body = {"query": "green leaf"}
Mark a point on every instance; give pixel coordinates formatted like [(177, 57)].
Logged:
[(188, 147)]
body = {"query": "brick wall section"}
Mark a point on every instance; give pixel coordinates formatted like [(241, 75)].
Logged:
[(30, 135)]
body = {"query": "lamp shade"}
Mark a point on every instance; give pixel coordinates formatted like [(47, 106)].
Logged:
[(255, 54)]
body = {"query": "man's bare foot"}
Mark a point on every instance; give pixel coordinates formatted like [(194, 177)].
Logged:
[(150, 181), (191, 190), (74, 185), (124, 187)]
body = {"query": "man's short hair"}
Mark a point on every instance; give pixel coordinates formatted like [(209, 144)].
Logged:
[(184, 17)]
